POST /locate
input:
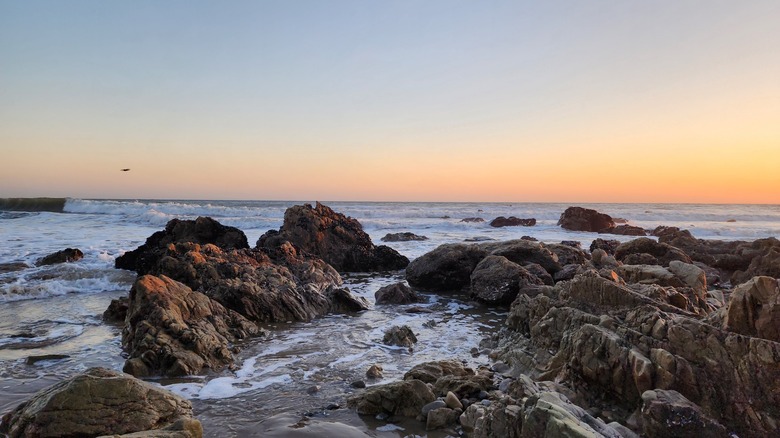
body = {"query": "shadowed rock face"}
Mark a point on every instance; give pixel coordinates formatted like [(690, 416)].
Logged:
[(65, 256), (337, 239), (101, 402), (202, 230)]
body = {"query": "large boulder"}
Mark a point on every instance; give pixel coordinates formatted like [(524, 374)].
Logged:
[(668, 413), (626, 230), (657, 253), (398, 293), (754, 309), (446, 268), (202, 230), (585, 219), (174, 331), (405, 398), (497, 281), (102, 402), (333, 237), (523, 251), (512, 221), (67, 255)]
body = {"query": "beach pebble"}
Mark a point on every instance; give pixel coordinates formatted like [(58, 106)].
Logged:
[(452, 401)]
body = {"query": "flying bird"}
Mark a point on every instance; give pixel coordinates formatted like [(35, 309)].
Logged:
[(124, 170)]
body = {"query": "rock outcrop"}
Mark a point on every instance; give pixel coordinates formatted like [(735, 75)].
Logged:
[(102, 402), (497, 281), (398, 293), (67, 255), (337, 239), (585, 219), (512, 221), (754, 309), (405, 398), (446, 268), (402, 237), (174, 331), (202, 230)]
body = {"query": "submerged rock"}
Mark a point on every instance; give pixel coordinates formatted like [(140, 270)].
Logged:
[(337, 239), (402, 237), (67, 255), (102, 402)]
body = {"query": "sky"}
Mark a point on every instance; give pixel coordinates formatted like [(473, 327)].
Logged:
[(436, 100)]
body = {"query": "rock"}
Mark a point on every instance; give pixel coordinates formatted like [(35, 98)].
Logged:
[(626, 230), (333, 237), (374, 372), (12, 267), (765, 264), (568, 254), (101, 402), (401, 336), (512, 221), (497, 281), (439, 418), (67, 255), (32, 360), (754, 309), (540, 273), (430, 372), (398, 293), (174, 331), (661, 253), (452, 401), (358, 384), (117, 310), (405, 398), (402, 237), (609, 246), (601, 259), (667, 413), (692, 275), (473, 219), (436, 404), (446, 268), (202, 230), (550, 414), (585, 219), (523, 252)]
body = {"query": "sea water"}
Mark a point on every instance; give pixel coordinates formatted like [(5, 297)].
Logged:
[(50, 316)]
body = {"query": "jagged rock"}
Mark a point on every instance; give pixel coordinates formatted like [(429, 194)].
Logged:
[(398, 293), (202, 230), (497, 281), (668, 413), (405, 398), (754, 309), (609, 246), (766, 264), (451, 376), (402, 237), (174, 331), (101, 402), (333, 237), (523, 252), (550, 414), (661, 253), (585, 219), (402, 336), (512, 221), (439, 418), (67, 255), (446, 268)]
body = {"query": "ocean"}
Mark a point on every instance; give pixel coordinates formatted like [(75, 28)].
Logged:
[(50, 316)]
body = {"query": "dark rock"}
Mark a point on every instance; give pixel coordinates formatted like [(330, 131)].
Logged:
[(446, 268), (101, 402), (754, 309), (609, 246), (202, 230), (117, 310), (626, 230), (174, 331), (436, 404), (523, 252), (585, 219), (512, 221), (398, 293), (572, 243), (440, 418), (12, 267), (537, 270), (662, 253), (401, 336), (567, 273), (32, 360), (473, 219), (67, 255), (668, 413), (374, 372), (497, 281), (402, 237), (405, 398), (337, 239), (532, 239), (568, 254), (358, 384)]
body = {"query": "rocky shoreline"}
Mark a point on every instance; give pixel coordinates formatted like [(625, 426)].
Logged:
[(664, 336)]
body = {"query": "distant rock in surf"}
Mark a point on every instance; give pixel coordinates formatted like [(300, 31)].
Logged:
[(67, 255), (402, 237), (585, 219), (512, 221), (472, 220)]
